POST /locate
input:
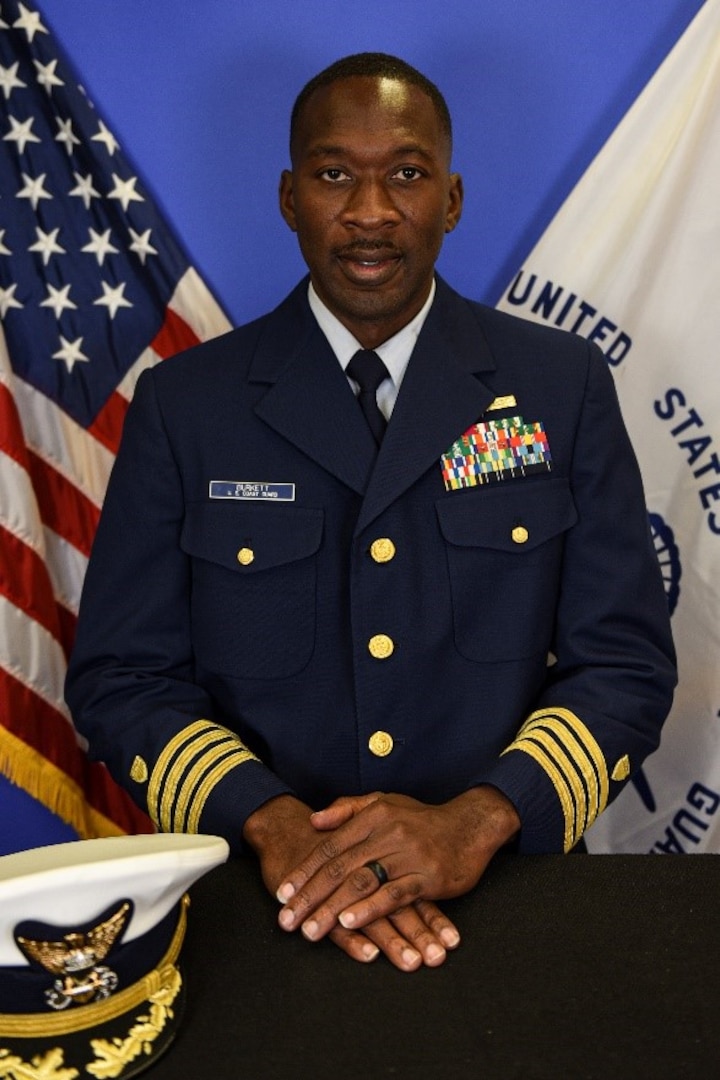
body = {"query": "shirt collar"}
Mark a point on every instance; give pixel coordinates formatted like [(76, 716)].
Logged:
[(395, 352)]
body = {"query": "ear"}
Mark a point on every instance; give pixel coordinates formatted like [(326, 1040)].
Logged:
[(287, 202), (455, 202)]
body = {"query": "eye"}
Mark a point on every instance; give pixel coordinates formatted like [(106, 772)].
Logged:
[(334, 175), (408, 173)]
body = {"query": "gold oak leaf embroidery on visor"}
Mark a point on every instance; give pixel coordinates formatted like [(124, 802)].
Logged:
[(188, 769), (565, 748)]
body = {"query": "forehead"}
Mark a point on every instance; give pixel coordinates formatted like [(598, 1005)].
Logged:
[(370, 109)]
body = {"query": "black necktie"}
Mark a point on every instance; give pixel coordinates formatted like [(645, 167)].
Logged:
[(368, 371)]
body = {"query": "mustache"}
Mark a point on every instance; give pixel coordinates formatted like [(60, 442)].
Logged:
[(368, 248)]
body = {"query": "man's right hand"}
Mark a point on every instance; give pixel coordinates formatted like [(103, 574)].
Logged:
[(282, 836)]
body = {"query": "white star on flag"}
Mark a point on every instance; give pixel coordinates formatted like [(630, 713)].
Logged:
[(113, 299), (34, 189), (7, 300), (65, 134), (124, 190), (29, 21), (59, 300), (141, 245), (46, 75), (47, 244), (21, 133), (100, 245), (9, 80), (3, 249), (85, 189), (106, 137), (71, 352)]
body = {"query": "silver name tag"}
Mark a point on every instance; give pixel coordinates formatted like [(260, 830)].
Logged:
[(251, 489)]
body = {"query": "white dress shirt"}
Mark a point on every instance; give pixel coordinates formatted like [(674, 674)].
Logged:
[(394, 353)]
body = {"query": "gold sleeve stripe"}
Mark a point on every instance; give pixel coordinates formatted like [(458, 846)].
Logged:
[(184, 774), (158, 778), (210, 749), (218, 770), (566, 767), (158, 774), (590, 746), (578, 754), (559, 783), (565, 748)]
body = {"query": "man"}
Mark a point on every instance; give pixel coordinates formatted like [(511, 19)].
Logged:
[(375, 665)]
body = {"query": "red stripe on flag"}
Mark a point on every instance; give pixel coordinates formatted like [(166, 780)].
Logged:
[(12, 439), (39, 725), (24, 581), (63, 507), (173, 336), (108, 424), (67, 623)]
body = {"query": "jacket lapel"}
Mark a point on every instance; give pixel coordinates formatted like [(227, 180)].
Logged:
[(441, 397), (309, 401)]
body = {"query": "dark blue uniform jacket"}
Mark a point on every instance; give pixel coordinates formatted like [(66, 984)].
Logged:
[(242, 634)]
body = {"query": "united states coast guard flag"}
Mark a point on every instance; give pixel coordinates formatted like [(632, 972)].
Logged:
[(93, 288), (632, 261)]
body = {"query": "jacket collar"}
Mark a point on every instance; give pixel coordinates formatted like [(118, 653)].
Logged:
[(310, 403)]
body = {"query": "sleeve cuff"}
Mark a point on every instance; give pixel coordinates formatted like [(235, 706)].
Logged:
[(207, 780), (556, 775)]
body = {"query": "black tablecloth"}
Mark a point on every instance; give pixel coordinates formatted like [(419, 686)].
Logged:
[(573, 968)]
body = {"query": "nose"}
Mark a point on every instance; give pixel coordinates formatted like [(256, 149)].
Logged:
[(370, 205)]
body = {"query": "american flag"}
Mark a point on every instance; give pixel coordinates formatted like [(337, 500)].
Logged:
[(93, 288)]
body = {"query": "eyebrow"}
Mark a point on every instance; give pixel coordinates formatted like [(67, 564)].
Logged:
[(326, 150)]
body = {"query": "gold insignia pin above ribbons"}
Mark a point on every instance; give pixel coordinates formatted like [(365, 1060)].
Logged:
[(506, 402)]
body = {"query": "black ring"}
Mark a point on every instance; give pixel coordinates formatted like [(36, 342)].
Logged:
[(378, 870)]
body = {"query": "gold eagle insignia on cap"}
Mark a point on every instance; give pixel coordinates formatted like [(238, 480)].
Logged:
[(76, 960)]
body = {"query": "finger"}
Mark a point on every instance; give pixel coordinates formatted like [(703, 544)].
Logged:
[(317, 918), (328, 864), (409, 923), (398, 893), (344, 808), (437, 921), (399, 949), (357, 946), (328, 851)]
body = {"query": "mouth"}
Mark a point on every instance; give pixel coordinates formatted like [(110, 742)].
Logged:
[(369, 267)]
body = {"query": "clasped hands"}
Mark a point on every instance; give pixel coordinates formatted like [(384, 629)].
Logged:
[(428, 852)]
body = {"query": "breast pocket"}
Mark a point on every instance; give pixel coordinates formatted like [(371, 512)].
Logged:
[(504, 550), (253, 586)]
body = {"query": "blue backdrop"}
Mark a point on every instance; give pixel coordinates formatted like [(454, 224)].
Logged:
[(199, 96)]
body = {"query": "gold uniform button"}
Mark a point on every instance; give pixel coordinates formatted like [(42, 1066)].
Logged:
[(381, 646), (382, 550), (520, 534), (245, 556), (380, 744)]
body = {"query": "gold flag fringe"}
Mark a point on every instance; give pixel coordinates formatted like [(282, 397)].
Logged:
[(25, 767)]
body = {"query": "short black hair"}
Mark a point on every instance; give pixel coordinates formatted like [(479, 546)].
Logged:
[(375, 65)]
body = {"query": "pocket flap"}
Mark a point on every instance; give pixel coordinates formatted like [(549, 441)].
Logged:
[(513, 517), (251, 538)]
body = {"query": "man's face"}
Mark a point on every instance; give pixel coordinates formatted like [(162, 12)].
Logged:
[(371, 198)]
